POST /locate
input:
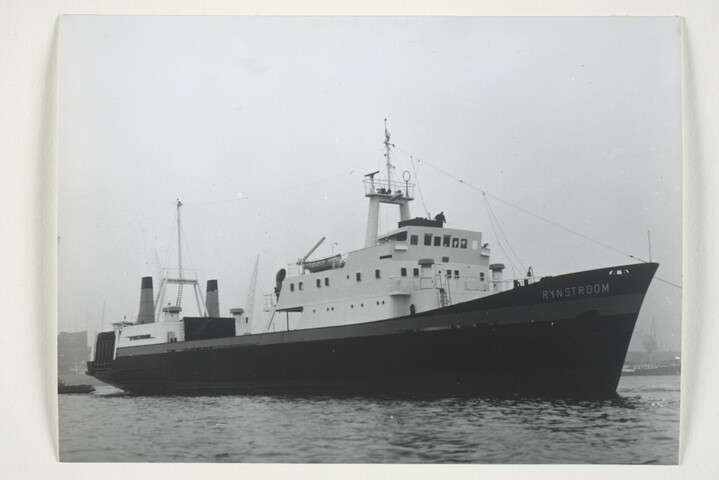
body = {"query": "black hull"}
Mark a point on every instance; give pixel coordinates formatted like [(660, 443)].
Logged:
[(529, 340)]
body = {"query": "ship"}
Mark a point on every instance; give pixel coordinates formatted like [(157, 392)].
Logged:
[(673, 368), (418, 309), (63, 388), (651, 361)]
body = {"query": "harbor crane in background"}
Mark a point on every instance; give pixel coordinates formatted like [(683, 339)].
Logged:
[(251, 291)]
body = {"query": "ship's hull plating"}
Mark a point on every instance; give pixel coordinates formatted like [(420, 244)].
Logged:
[(545, 338)]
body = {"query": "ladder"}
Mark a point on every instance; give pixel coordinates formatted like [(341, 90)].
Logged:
[(179, 296), (445, 295), (443, 299)]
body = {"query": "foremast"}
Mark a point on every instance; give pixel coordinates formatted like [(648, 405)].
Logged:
[(386, 191)]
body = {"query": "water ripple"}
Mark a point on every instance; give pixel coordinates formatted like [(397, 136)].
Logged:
[(640, 426)]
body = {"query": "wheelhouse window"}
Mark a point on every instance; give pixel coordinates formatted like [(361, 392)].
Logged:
[(463, 243), (416, 272), (398, 237), (428, 239), (403, 272), (413, 240), (437, 241), (455, 242), (449, 273), (447, 239), (456, 273)]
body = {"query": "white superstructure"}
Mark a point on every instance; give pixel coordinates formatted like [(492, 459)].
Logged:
[(419, 266), (410, 270)]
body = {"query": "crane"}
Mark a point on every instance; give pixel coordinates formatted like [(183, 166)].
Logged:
[(302, 260), (649, 342), (251, 291)]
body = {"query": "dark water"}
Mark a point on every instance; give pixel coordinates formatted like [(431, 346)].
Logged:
[(640, 427)]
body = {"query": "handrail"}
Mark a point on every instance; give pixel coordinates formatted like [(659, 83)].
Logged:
[(389, 188)]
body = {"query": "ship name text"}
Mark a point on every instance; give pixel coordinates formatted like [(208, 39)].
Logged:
[(575, 291)]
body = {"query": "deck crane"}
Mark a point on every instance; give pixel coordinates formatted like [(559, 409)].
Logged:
[(301, 261)]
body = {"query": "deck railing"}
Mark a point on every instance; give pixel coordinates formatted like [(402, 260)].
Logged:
[(390, 188)]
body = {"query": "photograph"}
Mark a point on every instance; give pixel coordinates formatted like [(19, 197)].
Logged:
[(369, 240)]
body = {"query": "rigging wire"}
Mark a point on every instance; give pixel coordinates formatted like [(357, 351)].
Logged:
[(289, 189), (193, 270), (416, 181), (499, 242), (484, 192), (491, 213), (168, 250), (187, 251)]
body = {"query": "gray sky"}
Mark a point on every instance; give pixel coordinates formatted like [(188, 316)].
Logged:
[(264, 127)]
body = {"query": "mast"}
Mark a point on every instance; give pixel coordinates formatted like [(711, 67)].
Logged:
[(386, 146), (179, 254), (178, 280), (385, 191)]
